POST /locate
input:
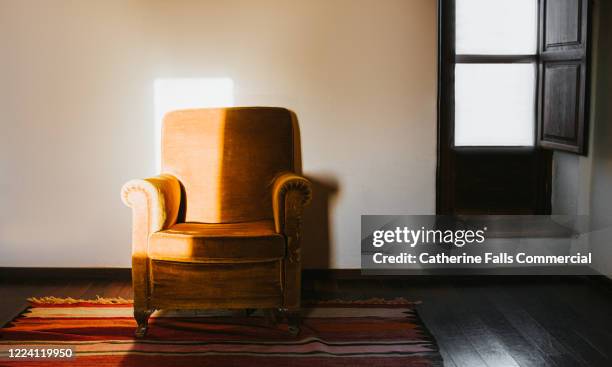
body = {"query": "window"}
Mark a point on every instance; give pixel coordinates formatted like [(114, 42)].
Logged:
[(495, 72), (512, 87), (519, 72)]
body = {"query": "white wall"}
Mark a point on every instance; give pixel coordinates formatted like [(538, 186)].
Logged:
[(77, 114)]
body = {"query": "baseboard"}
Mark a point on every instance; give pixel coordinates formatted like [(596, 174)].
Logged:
[(324, 274), (36, 273), (430, 278), (19, 274)]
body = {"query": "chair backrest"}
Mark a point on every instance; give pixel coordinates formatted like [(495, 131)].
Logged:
[(226, 159)]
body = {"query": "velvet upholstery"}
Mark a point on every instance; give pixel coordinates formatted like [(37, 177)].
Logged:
[(226, 212)]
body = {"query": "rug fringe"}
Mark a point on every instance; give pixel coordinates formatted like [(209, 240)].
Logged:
[(69, 300)]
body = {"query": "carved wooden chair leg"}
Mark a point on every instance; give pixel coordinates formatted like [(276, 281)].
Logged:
[(293, 317), (142, 318)]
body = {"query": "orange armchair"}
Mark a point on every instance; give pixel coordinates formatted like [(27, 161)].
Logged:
[(220, 228)]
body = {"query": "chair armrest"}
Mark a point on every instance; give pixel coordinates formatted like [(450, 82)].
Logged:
[(155, 205), (290, 193)]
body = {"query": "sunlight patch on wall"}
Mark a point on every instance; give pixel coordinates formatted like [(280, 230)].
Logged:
[(183, 93)]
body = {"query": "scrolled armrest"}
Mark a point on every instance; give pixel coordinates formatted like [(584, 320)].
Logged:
[(155, 204), (290, 193)]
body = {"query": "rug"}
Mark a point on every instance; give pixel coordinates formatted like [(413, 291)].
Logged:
[(333, 333)]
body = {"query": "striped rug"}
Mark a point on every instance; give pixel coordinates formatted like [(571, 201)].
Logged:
[(367, 333)]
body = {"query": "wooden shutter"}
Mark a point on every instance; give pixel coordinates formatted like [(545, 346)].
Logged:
[(563, 75)]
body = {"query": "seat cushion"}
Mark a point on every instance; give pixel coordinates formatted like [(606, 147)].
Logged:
[(202, 242)]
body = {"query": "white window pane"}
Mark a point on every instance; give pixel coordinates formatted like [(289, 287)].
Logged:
[(494, 104), (498, 27)]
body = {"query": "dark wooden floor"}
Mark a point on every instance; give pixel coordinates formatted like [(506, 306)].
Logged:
[(486, 321)]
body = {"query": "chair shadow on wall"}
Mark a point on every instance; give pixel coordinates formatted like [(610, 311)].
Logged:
[(316, 225)]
